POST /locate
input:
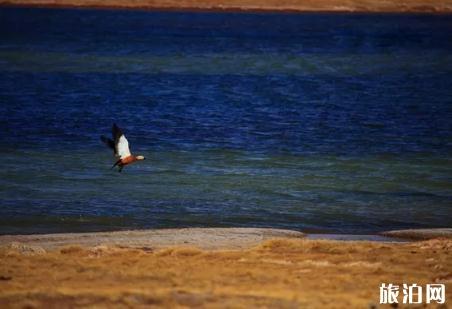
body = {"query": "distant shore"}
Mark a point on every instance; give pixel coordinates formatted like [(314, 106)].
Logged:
[(237, 267), (356, 6)]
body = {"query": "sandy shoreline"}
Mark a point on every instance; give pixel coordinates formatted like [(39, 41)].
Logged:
[(363, 6), (204, 238), (234, 268)]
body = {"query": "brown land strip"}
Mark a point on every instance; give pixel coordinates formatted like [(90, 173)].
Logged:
[(388, 6), (420, 234), (282, 273)]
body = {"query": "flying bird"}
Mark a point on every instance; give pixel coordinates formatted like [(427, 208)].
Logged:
[(120, 147)]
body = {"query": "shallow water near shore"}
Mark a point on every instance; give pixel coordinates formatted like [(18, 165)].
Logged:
[(326, 123)]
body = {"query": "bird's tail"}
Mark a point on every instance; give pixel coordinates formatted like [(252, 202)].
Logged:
[(108, 142)]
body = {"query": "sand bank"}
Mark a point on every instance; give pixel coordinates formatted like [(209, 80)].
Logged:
[(284, 273), (252, 5), (204, 238)]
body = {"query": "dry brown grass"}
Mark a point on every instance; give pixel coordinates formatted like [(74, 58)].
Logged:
[(274, 5), (287, 273)]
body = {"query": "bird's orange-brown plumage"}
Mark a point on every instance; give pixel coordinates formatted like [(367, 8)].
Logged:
[(128, 160)]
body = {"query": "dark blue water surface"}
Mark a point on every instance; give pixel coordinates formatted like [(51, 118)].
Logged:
[(334, 123)]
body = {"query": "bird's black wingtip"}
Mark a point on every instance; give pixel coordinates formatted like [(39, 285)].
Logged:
[(116, 132), (108, 142)]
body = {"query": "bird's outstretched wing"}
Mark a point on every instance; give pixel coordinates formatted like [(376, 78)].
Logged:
[(110, 143), (120, 143)]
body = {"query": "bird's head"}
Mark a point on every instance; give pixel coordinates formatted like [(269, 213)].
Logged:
[(140, 158)]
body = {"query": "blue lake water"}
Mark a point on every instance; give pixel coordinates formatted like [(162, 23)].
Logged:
[(331, 123)]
